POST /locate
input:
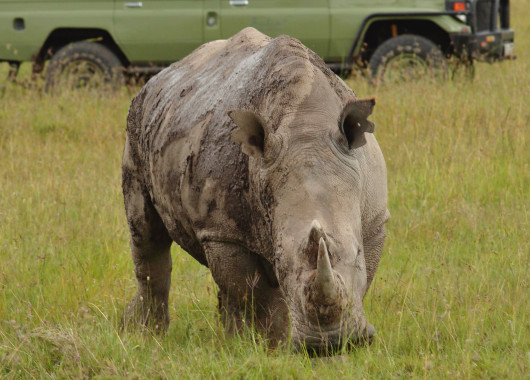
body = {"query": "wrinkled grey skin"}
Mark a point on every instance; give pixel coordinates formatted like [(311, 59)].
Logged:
[(257, 160)]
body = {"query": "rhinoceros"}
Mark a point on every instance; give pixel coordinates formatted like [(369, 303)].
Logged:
[(260, 163)]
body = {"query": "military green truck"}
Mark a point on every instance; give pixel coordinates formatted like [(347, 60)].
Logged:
[(114, 39)]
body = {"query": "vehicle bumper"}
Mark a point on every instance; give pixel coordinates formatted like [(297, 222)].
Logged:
[(485, 46)]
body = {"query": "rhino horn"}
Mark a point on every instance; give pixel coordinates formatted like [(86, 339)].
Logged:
[(324, 286)]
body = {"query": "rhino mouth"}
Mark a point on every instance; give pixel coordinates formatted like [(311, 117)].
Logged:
[(319, 341)]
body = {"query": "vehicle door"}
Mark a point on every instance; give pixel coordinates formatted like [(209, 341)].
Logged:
[(160, 31), (306, 20)]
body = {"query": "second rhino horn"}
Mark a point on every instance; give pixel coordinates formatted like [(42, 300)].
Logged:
[(325, 289)]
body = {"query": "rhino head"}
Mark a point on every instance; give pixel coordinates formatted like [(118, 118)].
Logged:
[(307, 177)]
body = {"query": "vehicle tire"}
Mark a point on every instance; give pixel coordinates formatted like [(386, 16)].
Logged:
[(84, 65), (407, 58)]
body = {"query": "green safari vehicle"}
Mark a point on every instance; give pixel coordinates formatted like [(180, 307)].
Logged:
[(110, 40)]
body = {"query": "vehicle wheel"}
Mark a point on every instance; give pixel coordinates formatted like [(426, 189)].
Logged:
[(407, 58), (84, 65)]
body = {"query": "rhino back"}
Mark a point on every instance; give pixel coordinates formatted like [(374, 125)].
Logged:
[(180, 132)]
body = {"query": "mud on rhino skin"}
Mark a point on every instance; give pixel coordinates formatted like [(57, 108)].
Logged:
[(260, 163)]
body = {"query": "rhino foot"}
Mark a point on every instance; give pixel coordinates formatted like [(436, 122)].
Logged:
[(145, 312), (248, 299)]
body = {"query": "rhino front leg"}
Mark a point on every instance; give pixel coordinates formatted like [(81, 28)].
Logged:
[(150, 248), (248, 296), (152, 267)]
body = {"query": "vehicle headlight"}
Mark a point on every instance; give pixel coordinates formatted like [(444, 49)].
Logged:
[(462, 18)]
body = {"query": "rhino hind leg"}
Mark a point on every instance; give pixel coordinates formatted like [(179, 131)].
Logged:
[(247, 297), (150, 248)]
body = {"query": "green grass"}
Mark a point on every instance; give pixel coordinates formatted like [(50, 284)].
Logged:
[(450, 299)]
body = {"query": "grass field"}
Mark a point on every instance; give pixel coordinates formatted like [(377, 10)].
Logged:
[(450, 299)]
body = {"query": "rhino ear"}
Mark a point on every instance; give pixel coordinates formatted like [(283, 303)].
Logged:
[(354, 123), (250, 132)]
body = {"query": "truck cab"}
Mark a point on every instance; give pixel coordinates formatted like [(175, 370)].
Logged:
[(117, 38)]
